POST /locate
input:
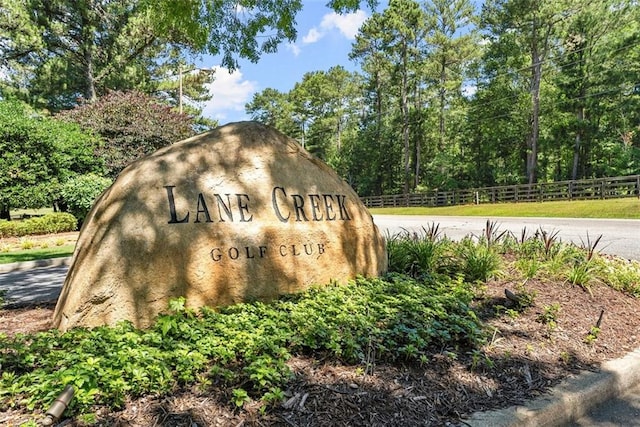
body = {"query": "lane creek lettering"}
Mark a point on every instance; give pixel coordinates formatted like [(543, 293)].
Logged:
[(236, 207)]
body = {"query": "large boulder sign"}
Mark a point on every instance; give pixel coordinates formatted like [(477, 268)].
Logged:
[(240, 213)]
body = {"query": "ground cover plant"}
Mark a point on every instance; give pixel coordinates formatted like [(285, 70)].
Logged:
[(455, 327)]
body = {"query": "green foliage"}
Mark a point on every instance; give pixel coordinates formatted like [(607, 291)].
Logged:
[(526, 297), (582, 264), (479, 262), (440, 101), (623, 275), (529, 267), (59, 222), (425, 255), (416, 255), (80, 192), (243, 347), (276, 109), (240, 397), (52, 70), (38, 154), (217, 28), (549, 315), (592, 336), (131, 125)]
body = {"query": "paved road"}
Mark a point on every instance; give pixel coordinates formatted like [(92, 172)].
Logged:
[(37, 285), (619, 237)]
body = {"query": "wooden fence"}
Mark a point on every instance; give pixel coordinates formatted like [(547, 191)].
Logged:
[(601, 188)]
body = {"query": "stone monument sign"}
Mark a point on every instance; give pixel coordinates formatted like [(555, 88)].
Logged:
[(236, 214)]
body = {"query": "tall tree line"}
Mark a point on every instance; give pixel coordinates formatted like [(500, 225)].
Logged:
[(449, 97)]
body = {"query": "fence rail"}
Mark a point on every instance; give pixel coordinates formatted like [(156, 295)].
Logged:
[(585, 189)]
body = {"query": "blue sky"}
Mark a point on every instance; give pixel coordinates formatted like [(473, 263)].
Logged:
[(324, 40)]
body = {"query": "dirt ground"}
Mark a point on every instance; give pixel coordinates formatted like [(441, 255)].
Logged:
[(10, 244), (525, 355)]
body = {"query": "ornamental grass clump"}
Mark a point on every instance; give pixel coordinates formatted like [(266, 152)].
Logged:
[(418, 254), (479, 262)]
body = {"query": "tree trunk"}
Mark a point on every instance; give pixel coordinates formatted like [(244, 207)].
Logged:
[(4, 212), (418, 137), (379, 172), (578, 144), (88, 46), (405, 121), (442, 98), (532, 142)]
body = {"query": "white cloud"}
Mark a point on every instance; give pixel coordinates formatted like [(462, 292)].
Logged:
[(348, 25), (312, 36), (230, 93), (294, 48)]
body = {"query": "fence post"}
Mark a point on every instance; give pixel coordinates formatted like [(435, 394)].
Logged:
[(570, 190), (477, 197), (638, 186), (541, 193), (602, 189)]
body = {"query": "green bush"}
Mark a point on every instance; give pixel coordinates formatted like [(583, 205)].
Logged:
[(48, 224), (80, 192), (39, 153)]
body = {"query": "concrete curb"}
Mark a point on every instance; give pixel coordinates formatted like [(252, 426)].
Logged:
[(571, 399), (30, 265)]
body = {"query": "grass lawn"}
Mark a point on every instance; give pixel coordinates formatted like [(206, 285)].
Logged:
[(612, 208), (35, 254), (18, 213)]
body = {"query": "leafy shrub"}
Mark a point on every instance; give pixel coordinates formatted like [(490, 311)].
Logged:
[(623, 275), (38, 153), (243, 347), (131, 125), (80, 192), (58, 222)]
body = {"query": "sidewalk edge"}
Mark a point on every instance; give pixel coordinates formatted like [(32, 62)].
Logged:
[(571, 399)]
